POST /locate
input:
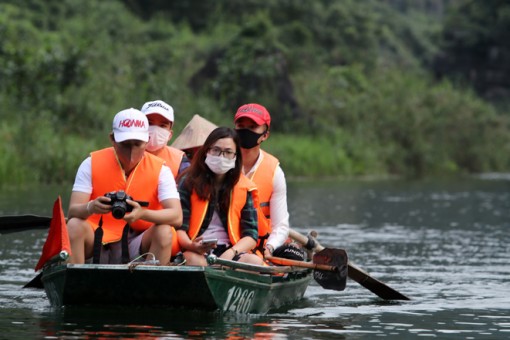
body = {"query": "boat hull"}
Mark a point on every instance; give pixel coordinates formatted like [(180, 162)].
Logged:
[(205, 288), (245, 292)]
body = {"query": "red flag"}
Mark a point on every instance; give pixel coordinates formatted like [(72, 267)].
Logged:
[(57, 239)]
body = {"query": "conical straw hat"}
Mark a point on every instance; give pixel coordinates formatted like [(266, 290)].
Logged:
[(194, 134)]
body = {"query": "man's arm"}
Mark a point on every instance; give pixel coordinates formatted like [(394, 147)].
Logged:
[(170, 214), (168, 197), (279, 212)]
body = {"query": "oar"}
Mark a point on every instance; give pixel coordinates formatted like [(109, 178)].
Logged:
[(295, 263), (354, 272), (330, 267), (12, 224), (36, 282)]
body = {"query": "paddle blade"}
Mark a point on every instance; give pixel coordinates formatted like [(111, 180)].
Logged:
[(13, 224), (337, 258), (355, 273), (57, 239), (36, 282), (375, 286)]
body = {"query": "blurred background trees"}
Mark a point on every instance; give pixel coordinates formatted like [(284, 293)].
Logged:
[(394, 87)]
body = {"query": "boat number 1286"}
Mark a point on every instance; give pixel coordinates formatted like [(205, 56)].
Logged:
[(239, 300)]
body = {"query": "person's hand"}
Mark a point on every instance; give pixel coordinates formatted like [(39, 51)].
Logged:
[(229, 254), (100, 205), (134, 215), (268, 251), (200, 247)]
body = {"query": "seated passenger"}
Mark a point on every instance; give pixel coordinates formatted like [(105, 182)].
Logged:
[(218, 202), (94, 233), (161, 121)]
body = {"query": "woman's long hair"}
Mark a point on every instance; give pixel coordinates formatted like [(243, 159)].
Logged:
[(201, 179)]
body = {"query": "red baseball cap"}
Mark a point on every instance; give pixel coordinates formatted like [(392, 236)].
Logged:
[(255, 112)]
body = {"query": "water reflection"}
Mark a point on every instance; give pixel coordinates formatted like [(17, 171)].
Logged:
[(142, 323)]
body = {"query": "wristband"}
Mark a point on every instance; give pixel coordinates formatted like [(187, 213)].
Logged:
[(235, 251), (310, 244), (88, 207)]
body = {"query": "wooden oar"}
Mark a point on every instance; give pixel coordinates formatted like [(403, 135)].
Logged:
[(295, 263), (213, 259), (330, 267), (36, 282), (12, 224), (354, 272)]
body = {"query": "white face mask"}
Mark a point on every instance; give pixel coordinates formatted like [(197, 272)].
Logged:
[(219, 165), (158, 138)]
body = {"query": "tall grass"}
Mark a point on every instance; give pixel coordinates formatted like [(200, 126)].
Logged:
[(302, 155)]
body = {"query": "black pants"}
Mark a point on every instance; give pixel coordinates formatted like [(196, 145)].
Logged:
[(221, 248)]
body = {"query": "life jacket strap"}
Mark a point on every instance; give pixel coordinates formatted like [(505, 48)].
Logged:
[(98, 242), (124, 244), (262, 243)]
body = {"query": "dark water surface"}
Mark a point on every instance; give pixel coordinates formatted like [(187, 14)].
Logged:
[(445, 244)]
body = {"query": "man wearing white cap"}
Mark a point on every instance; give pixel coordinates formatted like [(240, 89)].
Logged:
[(99, 227), (161, 120)]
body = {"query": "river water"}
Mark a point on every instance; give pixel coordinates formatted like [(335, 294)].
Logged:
[(445, 244)]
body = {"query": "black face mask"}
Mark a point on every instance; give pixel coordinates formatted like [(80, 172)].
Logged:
[(249, 138)]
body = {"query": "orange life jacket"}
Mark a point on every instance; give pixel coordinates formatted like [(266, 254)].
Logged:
[(142, 185), (237, 202), (263, 178), (172, 158)]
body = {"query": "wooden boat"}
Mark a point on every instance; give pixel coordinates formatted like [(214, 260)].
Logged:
[(225, 285)]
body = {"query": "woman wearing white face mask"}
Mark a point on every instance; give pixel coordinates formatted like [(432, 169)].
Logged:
[(218, 202), (161, 119)]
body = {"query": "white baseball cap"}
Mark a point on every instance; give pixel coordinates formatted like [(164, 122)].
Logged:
[(159, 107), (130, 124)]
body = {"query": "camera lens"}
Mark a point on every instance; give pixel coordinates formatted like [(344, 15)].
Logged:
[(118, 210)]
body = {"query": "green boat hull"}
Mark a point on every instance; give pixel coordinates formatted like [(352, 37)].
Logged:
[(245, 292), (205, 288)]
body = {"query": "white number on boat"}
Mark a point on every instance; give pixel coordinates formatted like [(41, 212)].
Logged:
[(239, 300)]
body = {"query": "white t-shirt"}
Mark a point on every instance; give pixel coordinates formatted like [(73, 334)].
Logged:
[(215, 229), (166, 185), (277, 206)]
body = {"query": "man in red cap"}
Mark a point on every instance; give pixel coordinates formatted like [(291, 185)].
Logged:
[(252, 122)]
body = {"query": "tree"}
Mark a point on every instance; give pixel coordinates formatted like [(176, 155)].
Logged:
[(476, 47)]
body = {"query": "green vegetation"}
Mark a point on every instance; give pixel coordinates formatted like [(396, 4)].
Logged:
[(351, 85)]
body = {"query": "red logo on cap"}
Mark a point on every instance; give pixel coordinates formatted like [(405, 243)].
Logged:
[(132, 123), (251, 108)]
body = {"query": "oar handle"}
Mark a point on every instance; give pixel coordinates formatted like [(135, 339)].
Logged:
[(304, 240), (213, 259), (295, 263)]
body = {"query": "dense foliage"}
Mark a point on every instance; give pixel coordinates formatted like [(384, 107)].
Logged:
[(351, 85), (476, 48)]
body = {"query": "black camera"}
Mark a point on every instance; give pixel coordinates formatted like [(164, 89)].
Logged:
[(119, 204)]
